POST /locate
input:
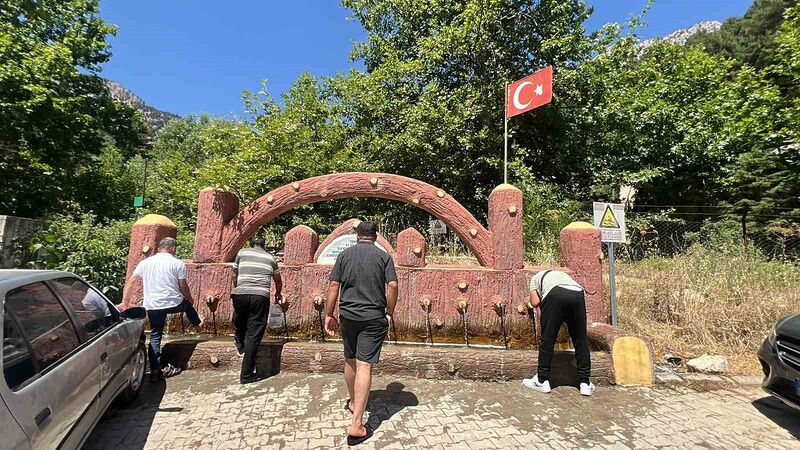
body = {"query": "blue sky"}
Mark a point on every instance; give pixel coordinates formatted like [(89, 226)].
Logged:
[(197, 56)]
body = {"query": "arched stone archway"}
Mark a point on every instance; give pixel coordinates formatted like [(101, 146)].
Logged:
[(222, 229), (489, 301)]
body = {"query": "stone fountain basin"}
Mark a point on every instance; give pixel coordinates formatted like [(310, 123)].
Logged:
[(439, 362)]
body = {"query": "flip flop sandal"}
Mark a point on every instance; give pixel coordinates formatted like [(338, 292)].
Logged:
[(347, 406), (355, 440), (171, 371)]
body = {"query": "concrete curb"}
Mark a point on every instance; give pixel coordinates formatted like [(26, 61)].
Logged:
[(686, 378)]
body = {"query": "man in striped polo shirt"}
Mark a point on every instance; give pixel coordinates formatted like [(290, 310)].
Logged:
[(255, 269), (561, 300)]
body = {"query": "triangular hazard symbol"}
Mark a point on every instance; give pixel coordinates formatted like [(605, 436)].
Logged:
[(609, 220)]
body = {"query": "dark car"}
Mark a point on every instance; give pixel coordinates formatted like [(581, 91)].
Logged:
[(780, 359)]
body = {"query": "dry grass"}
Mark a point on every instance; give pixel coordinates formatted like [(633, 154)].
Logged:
[(707, 301), (711, 299)]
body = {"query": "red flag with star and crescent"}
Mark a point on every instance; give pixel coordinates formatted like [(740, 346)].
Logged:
[(530, 92)]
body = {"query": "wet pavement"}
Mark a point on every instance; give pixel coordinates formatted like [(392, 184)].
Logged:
[(209, 410)]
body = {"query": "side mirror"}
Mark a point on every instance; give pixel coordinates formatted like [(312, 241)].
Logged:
[(134, 312)]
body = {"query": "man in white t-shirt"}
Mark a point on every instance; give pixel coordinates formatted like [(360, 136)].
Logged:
[(165, 292), (561, 300)]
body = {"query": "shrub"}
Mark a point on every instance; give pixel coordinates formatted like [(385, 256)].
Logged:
[(548, 209), (98, 252), (714, 298)]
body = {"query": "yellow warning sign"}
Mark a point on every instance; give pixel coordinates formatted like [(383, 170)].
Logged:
[(609, 220)]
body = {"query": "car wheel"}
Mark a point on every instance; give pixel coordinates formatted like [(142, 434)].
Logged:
[(135, 376)]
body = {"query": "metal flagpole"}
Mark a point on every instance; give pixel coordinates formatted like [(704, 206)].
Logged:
[(505, 135)]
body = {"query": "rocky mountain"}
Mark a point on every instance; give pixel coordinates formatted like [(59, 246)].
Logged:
[(154, 117), (681, 36)]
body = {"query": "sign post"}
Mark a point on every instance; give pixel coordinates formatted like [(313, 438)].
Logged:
[(437, 227), (610, 218)]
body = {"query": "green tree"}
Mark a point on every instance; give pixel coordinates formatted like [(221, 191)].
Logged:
[(58, 117), (302, 138), (766, 180), (669, 120), (82, 245), (749, 39), (430, 103)]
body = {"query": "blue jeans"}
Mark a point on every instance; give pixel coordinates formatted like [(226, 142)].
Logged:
[(158, 318)]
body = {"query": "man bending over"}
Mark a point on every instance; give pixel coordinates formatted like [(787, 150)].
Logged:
[(562, 301)]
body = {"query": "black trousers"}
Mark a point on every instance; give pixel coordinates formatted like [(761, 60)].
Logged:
[(564, 306), (250, 320)]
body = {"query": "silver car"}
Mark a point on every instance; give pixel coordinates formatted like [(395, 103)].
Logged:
[(67, 354)]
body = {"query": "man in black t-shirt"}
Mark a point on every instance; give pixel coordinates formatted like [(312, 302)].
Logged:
[(367, 280)]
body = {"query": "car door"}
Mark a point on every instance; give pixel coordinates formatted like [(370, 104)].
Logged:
[(13, 436), (107, 335), (54, 387)]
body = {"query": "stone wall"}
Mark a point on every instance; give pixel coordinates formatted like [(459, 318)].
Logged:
[(13, 228)]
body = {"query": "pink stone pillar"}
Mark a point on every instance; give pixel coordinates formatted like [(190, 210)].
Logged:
[(411, 248), (581, 251), (145, 235), (300, 245), (505, 224), (215, 208)]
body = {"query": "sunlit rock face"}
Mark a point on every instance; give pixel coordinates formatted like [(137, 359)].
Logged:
[(155, 118), (680, 37)]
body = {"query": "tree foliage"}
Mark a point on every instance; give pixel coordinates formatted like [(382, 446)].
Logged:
[(58, 118), (81, 245), (749, 39), (430, 103), (682, 125), (713, 122)]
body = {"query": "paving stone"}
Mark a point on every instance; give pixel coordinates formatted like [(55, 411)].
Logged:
[(205, 410)]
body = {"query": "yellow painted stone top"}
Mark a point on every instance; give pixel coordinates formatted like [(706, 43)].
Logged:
[(505, 186), (155, 219), (580, 225)]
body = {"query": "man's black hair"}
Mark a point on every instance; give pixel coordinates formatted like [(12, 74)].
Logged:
[(367, 230), (258, 241)]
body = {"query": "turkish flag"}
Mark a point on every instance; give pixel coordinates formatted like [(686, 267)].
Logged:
[(530, 92)]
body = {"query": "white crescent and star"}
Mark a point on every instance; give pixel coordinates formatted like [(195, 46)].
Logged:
[(539, 91)]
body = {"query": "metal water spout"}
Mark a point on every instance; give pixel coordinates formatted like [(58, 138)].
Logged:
[(462, 309), (319, 305), (500, 309), (426, 306), (284, 305), (212, 302), (532, 314)]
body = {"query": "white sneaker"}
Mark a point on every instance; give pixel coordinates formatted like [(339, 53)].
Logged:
[(533, 383), (587, 389)]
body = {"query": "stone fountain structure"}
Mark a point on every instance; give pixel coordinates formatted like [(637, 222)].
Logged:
[(485, 303)]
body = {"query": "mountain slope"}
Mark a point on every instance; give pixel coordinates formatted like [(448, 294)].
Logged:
[(154, 117), (680, 37)]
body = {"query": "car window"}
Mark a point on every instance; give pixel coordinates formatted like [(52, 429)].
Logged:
[(44, 322), (92, 309), (17, 361)]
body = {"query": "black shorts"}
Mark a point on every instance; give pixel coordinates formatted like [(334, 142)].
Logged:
[(363, 339)]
